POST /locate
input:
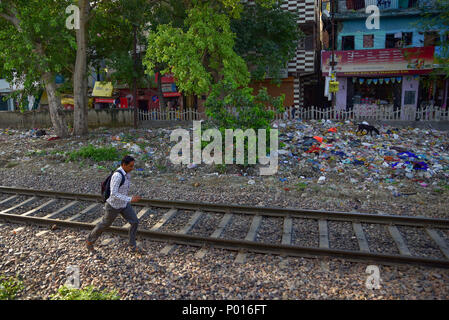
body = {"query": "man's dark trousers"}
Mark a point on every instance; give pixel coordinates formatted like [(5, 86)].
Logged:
[(111, 214)]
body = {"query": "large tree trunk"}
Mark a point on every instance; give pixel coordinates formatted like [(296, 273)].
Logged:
[(56, 112), (80, 121), (54, 100)]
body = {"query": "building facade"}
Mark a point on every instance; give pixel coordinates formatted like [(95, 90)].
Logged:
[(388, 66), (302, 83), (5, 90)]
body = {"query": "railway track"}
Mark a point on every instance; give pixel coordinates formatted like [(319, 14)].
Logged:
[(386, 239)]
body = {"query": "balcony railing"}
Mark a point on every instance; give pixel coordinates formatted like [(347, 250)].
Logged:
[(348, 6)]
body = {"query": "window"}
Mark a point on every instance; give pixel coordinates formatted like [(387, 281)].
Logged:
[(431, 38), (393, 40), (409, 97), (348, 43), (368, 41), (355, 4), (407, 38), (309, 43)]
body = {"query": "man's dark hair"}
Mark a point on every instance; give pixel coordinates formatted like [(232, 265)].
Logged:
[(127, 160)]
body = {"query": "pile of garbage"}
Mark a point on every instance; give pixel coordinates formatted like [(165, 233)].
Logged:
[(329, 147), (312, 151)]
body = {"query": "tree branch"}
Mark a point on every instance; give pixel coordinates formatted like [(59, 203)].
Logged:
[(13, 20)]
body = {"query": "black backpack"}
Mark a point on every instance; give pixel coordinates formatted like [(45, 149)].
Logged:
[(106, 185)]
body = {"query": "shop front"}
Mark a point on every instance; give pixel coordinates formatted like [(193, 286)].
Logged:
[(172, 96), (386, 80), (102, 95)]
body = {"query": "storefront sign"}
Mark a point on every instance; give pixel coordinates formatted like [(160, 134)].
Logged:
[(103, 89), (100, 100), (167, 78), (334, 86), (380, 62), (171, 94)]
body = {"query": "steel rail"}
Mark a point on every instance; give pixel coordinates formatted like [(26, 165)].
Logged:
[(250, 210), (242, 245)]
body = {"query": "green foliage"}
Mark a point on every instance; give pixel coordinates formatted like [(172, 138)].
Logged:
[(160, 166), (436, 17), (301, 186), (40, 22), (96, 154), (200, 55), (88, 293), (9, 287), (236, 108), (267, 38), (251, 112), (221, 168), (111, 36), (40, 153)]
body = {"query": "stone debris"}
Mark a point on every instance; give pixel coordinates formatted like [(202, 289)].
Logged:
[(42, 263), (322, 166)]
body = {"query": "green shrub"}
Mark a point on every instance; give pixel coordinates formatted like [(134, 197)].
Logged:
[(301, 186), (251, 111), (220, 168), (88, 293), (96, 154), (9, 287)]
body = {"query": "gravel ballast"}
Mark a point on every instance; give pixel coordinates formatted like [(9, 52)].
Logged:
[(42, 263)]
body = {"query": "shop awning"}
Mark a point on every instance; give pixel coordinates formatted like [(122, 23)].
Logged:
[(380, 62)]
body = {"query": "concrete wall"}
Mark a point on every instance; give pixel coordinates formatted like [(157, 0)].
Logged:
[(41, 119)]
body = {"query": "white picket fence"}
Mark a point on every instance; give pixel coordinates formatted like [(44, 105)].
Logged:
[(430, 113), (362, 112), (171, 115)]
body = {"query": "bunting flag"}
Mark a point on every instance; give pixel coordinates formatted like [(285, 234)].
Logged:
[(393, 80), (375, 81), (361, 80), (399, 79), (369, 81), (387, 80), (415, 77), (381, 81), (354, 79)]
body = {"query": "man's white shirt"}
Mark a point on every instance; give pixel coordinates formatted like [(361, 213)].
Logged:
[(119, 195)]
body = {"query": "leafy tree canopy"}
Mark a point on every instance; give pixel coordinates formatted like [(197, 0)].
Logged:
[(33, 40), (267, 38), (199, 54)]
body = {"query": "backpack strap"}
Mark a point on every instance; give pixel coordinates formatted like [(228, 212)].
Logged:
[(123, 178)]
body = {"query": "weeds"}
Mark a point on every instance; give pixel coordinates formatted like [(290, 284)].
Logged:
[(9, 287), (37, 153), (301, 186), (88, 293), (220, 168), (96, 154)]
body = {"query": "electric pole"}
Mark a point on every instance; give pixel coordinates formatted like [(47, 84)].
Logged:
[(333, 50), (135, 77)]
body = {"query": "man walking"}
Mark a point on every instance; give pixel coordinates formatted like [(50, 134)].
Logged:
[(119, 203)]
